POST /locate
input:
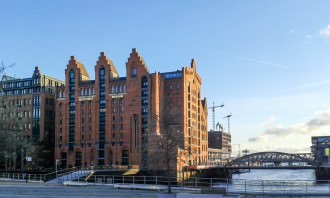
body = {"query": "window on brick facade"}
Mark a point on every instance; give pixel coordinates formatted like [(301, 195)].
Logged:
[(134, 72)]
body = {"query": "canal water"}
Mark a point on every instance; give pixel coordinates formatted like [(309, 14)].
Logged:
[(278, 181), (277, 174)]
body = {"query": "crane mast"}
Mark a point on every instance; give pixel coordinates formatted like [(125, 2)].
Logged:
[(213, 107)]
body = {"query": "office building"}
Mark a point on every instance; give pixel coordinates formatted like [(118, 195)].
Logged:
[(28, 120)]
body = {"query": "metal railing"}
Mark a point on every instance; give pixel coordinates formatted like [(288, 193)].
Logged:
[(275, 187), (280, 187), (21, 177)]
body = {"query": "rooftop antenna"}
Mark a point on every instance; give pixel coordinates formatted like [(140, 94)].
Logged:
[(213, 107)]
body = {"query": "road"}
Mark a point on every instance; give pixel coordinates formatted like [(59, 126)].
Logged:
[(20, 190)]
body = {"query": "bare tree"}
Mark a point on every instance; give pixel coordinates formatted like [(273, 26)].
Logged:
[(15, 141), (163, 141)]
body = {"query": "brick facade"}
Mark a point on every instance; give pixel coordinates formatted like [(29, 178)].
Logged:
[(103, 121)]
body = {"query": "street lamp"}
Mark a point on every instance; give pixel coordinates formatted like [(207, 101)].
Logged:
[(56, 162)]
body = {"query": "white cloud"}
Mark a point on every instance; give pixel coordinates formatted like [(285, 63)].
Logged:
[(325, 31), (258, 61), (260, 139), (311, 127), (269, 122), (314, 84)]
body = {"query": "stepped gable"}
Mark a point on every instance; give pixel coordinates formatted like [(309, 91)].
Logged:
[(105, 60), (204, 103), (136, 54), (79, 65), (193, 63)]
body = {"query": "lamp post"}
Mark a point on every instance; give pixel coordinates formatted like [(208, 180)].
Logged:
[(56, 162)]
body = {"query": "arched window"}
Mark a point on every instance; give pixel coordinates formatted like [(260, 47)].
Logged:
[(134, 72), (71, 76), (113, 89), (117, 88)]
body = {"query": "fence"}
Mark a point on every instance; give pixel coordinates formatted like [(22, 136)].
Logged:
[(22, 176), (280, 187), (275, 187)]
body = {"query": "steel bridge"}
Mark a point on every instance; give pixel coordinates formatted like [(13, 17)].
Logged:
[(273, 158)]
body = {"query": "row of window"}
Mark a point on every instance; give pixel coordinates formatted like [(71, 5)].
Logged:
[(118, 88), (87, 91), (17, 84), (28, 83), (173, 75), (25, 126), (18, 103), (16, 92), (177, 86), (21, 114)]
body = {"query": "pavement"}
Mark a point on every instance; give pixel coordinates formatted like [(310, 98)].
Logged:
[(28, 190)]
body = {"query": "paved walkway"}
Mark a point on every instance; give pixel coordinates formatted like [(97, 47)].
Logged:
[(29, 190)]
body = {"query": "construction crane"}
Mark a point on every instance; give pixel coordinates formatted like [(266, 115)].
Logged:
[(213, 112), (228, 117)]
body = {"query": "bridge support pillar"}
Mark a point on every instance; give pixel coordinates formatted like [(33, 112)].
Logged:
[(322, 173)]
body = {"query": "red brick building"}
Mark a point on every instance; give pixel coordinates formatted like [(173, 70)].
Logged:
[(102, 121)]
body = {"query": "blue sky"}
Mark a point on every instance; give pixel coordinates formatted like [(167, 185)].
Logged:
[(267, 61)]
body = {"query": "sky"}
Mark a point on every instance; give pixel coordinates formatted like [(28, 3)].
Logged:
[(268, 62)]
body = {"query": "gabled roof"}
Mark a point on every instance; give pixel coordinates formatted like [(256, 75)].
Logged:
[(107, 60), (80, 66), (135, 52)]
